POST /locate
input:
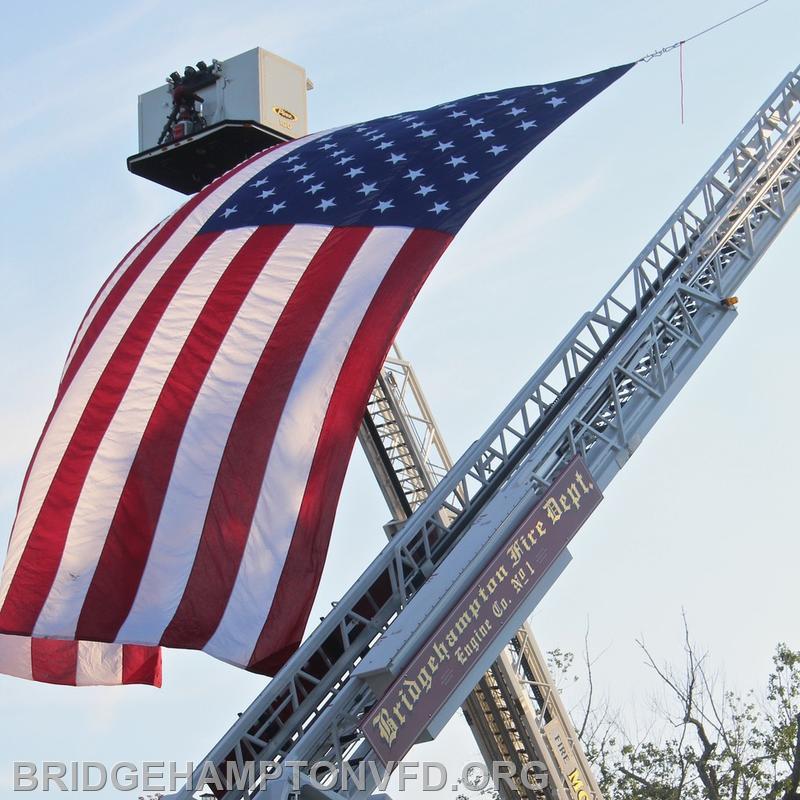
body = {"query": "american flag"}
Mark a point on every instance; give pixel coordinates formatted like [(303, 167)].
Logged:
[(73, 663), (184, 487)]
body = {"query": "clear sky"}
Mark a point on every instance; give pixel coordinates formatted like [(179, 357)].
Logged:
[(703, 518)]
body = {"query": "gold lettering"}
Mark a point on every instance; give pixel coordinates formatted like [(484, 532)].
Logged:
[(498, 607), (424, 679), (413, 689), (386, 726), (462, 623), (404, 698), (441, 652), (401, 718), (514, 552), (577, 785), (579, 478), (552, 509), (574, 495)]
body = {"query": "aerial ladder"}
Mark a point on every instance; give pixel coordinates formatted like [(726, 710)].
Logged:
[(515, 713), (596, 397)]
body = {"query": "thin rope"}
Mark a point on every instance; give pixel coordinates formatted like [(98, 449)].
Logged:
[(669, 48), (680, 62)]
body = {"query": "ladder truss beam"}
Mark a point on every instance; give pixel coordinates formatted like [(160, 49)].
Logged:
[(658, 322)]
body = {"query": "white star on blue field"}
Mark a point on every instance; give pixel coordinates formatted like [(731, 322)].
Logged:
[(422, 169)]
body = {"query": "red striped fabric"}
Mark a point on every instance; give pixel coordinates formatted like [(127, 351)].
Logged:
[(122, 561), (73, 663), (279, 637), (47, 539), (184, 487), (238, 482)]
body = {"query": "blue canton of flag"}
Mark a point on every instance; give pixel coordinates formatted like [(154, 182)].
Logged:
[(422, 169)]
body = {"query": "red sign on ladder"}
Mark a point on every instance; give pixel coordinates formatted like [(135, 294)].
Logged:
[(477, 619)]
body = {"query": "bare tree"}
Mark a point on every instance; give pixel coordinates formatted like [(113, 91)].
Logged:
[(705, 742)]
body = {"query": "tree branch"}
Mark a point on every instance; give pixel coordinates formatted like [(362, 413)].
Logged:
[(591, 684), (794, 777)]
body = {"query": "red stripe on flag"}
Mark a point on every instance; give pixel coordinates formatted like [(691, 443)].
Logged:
[(54, 661), (121, 288), (39, 563), (244, 461), (126, 549), (297, 587), (74, 339), (141, 665), (136, 268)]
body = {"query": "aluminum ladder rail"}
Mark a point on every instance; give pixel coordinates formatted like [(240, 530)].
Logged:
[(401, 440), (508, 710), (597, 394)]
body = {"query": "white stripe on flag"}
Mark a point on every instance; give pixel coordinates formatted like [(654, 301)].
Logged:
[(57, 435), (15, 656), (111, 464), (294, 446), (98, 664), (181, 521)]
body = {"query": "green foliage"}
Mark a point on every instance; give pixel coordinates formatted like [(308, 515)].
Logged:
[(718, 745)]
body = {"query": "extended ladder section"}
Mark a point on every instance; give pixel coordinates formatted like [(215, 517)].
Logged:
[(515, 712), (401, 440), (597, 395)]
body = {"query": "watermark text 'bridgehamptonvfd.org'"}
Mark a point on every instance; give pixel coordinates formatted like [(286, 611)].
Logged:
[(169, 776)]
